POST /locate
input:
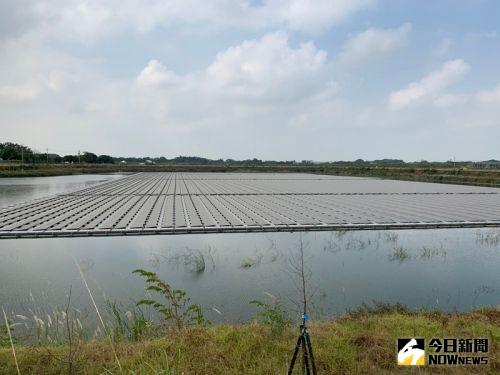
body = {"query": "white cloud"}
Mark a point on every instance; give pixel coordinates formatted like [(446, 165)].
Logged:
[(450, 100), (155, 74), (265, 69), (444, 47), (485, 99), (58, 81), (430, 85), (90, 20), (489, 96), (256, 83), (317, 15), (374, 42), (268, 97), (18, 93), (265, 63)]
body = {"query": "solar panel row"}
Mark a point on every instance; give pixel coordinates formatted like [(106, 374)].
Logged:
[(148, 203)]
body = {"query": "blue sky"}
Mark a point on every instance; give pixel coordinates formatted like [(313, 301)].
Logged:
[(272, 79)]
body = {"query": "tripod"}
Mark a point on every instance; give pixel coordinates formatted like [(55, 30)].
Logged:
[(304, 342)]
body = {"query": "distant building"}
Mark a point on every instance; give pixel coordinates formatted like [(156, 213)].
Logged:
[(488, 164)]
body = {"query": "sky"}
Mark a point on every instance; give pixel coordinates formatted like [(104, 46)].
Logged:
[(272, 79)]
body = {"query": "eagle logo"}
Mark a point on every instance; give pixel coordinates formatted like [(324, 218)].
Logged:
[(411, 352)]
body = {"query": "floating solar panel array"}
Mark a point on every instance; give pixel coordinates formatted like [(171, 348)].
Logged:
[(173, 203)]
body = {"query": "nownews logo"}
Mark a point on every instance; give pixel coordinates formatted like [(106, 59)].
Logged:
[(411, 352), (447, 351), (458, 352)]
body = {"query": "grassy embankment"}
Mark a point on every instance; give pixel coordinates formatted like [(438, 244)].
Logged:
[(443, 173), (358, 343)]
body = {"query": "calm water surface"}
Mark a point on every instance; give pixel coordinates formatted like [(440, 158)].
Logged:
[(451, 269)]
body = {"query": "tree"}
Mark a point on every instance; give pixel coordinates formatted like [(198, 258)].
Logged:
[(14, 151), (105, 159), (70, 158), (55, 158), (89, 157)]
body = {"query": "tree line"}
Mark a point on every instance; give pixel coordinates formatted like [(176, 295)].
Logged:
[(15, 152)]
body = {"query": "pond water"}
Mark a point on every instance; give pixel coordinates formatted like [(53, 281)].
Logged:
[(450, 269)]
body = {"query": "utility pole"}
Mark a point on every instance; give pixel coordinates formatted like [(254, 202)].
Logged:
[(47, 152), (79, 161)]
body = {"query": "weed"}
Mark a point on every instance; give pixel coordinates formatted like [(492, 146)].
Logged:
[(483, 289), (391, 237), (195, 262), (378, 308), (274, 256), (331, 244), (491, 238), (4, 334), (430, 252), (178, 310), (11, 341), (129, 325), (356, 244), (400, 254), (273, 314), (251, 262)]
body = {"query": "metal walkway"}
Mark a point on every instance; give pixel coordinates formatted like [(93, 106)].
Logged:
[(174, 203)]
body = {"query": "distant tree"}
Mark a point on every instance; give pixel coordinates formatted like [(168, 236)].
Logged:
[(161, 159), (105, 159), (55, 158), (389, 161), (70, 159), (191, 160), (39, 157), (14, 151), (89, 157)]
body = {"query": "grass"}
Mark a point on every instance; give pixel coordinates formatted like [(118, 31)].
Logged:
[(435, 172), (361, 342), (251, 261), (491, 237), (399, 254)]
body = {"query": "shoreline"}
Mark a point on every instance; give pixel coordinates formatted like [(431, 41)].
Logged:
[(359, 342), (431, 174)]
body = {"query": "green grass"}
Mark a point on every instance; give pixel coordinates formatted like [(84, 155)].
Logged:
[(435, 172), (362, 342)]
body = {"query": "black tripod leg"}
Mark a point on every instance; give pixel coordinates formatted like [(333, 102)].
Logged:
[(311, 355), (295, 353), (305, 356)]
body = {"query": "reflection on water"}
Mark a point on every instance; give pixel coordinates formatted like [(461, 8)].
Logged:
[(17, 190), (451, 269)]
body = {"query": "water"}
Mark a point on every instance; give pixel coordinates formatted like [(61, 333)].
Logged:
[(17, 190), (450, 269)]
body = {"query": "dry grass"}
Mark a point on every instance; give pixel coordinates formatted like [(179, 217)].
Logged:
[(435, 172), (360, 343)]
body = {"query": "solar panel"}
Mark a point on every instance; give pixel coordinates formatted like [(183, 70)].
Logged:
[(170, 203)]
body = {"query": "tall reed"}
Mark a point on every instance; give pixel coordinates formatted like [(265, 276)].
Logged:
[(108, 335), (11, 342)]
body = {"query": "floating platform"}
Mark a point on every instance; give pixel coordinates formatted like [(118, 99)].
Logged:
[(175, 203)]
